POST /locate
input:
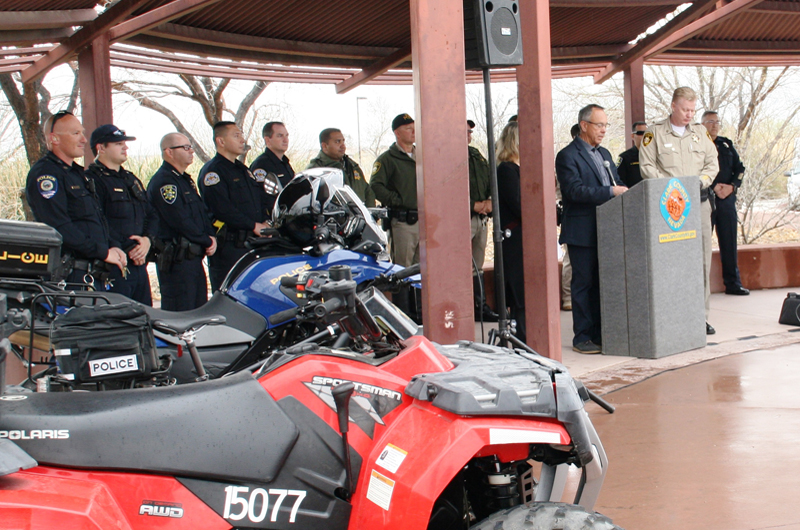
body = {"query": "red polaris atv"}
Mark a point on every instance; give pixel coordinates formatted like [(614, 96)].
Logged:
[(406, 435)]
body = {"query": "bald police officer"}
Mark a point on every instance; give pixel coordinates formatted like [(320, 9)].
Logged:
[(394, 181), (61, 196), (676, 147), (332, 153)]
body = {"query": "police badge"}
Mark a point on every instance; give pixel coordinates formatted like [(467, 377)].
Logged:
[(259, 175), (169, 193)]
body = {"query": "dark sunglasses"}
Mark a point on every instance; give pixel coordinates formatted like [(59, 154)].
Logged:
[(57, 116), (639, 133)]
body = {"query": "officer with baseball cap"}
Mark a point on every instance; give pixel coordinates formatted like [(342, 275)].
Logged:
[(132, 221), (394, 181)]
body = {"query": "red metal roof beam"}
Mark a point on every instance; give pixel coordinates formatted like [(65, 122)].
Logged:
[(698, 26), (82, 38), (25, 20), (643, 47), (374, 70), (156, 17)]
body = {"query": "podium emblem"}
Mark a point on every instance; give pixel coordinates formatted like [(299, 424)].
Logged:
[(675, 204)]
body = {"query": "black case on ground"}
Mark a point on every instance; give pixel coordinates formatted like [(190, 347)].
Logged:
[(28, 250), (789, 311)]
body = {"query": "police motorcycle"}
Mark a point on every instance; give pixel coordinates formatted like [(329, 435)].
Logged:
[(318, 223), (393, 433)]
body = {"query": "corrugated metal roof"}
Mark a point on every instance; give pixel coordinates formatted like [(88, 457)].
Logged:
[(45, 5)]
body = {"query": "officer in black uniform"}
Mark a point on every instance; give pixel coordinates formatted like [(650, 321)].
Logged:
[(235, 199), (725, 217), (184, 228), (628, 161), (61, 196), (273, 159), (132, 221)]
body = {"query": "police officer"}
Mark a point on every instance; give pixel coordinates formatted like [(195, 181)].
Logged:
[(61, 196), (274, 159), (184, 228), (332, 154), (480, 198), (394, 181), (132, 221), (676, 147), (235, 199), (628, 162), (725, 217)]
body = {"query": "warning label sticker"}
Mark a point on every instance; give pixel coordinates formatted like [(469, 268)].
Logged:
[(380, 490), (391, 458)]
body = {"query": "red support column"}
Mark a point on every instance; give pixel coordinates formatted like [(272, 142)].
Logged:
[(538, 182), (437, 44), (634, 97), (94, 77)]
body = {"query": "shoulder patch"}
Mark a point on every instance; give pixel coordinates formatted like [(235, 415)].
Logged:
[(376, 167), (210, 179), (259, 175), (619, 160), (48, 186), (169, 193), (648, 137)]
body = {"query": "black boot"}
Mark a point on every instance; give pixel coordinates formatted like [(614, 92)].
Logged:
[(482, 310)]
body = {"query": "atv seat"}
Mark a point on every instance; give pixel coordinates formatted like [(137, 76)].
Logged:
[(179, 326), (217, 430)]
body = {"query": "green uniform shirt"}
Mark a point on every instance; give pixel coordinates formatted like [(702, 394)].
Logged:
[(353, 176), (479, 176), (394, 179)]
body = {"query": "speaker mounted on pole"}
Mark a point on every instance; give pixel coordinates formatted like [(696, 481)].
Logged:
[(492, 33)]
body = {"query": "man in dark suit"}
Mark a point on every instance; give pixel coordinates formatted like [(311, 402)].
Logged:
[(588, 177)]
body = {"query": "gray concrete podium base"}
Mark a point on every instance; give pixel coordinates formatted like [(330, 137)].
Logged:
[(651, 271)]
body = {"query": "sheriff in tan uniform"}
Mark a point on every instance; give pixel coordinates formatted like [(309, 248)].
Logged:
[(676, 147)]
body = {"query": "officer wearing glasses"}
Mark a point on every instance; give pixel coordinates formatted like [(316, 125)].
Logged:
[(61, 196), (184, 228), (628, 162)]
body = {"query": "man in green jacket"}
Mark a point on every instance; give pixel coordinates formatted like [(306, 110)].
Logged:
[(480, 199), (394, 181), (332, 154)]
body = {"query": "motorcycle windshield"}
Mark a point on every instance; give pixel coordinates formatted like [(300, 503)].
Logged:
[(347, 198)]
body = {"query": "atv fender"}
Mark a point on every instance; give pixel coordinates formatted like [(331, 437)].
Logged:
[(13, 458), (433, 447)]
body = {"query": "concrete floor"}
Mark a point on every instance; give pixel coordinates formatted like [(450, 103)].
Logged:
[(704, 439)]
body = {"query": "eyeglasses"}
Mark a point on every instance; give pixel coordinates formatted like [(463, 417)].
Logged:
[(599, 125), (186, 147), (57, 116), (639, 133), (712, 122)]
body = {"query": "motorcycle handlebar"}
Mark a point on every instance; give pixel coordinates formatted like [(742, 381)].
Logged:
[(407, 272), (328, 306), (283, 316)]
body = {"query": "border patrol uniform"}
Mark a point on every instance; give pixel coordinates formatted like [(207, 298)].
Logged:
[(237, 202), (353, 176), (628, 167), (268, 162), (394, 181), (61, 196), (725, 218), (128, 213), (184, 227), (665, 154)]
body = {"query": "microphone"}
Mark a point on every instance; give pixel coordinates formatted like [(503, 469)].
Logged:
[(607, 165)]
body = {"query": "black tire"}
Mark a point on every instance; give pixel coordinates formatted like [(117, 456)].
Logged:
[(546, 516)]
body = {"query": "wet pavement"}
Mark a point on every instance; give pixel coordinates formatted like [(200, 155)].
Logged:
[(707, 446)]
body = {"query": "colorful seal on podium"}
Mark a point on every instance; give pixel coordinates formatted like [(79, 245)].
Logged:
[(675, 204)]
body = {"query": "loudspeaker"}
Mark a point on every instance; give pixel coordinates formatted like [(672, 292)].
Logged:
[(491, 33)]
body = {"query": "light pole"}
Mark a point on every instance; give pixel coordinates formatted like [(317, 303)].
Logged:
[(358, 126)]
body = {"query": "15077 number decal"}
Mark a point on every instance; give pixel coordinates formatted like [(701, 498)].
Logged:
[(257, 511)]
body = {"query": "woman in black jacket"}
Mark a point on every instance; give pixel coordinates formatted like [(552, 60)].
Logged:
[(508, 197)]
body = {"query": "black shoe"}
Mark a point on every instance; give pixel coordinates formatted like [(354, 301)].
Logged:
[(488, 314), (710, 329), (587, 347), (740, 291)]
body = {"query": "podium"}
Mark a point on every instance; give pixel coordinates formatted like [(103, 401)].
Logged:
[(650, 252)]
